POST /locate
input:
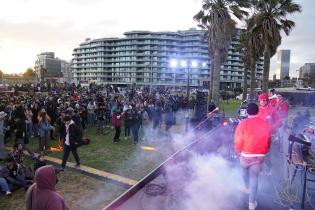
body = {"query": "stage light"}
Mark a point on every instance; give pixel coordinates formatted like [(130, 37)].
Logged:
[(183, 63), (148, 148), (194, 64), (173, 63)]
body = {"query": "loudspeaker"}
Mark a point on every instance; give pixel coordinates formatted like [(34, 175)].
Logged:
[(201, 105)]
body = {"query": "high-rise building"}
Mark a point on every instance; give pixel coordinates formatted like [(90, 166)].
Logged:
[(47, 66), (67, 75), (307, 68), (283, 64), (156, 58)]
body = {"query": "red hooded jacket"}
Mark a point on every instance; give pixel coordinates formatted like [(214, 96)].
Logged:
[(270, 115), (252, 136), (42, 194), (116, 119), (283, 108)]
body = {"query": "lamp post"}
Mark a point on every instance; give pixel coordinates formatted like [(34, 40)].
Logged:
[(188, 65)]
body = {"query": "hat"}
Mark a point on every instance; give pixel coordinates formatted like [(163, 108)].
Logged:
[(2, 114), (252, 109), (263, 96)]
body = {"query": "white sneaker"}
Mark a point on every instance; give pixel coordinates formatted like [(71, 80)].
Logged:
[(252, 206), (8, 193)]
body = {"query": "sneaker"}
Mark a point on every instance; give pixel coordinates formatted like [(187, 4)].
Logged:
[(252, 206), (77, 165), (8, 193)]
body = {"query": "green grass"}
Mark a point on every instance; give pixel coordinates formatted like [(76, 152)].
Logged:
[(125, 158), (78, 190), (230, 108)]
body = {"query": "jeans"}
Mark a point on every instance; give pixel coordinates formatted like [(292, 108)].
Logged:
[(2, 152), (251, 168), (4, 185), (91, 118), (66, 151), (29, 129), (35, 129), (100, 127), (44, 142), (135, 133), (127, 129), (21, 181)]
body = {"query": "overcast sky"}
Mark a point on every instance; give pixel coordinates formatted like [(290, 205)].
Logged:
[(28, 27)]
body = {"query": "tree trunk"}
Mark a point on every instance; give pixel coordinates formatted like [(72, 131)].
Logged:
[(265, 83), (244, 97), (216, 78), (252, 79), (210, 84)]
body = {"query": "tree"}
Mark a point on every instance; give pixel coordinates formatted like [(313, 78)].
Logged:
[(1, 74), (29, 73), (270, 18), (215, 17), (252, 46), (286, 78)]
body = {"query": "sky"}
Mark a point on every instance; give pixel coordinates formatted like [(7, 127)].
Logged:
[(29, 27)]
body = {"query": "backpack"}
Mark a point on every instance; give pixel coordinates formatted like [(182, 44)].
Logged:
[(84, 141)]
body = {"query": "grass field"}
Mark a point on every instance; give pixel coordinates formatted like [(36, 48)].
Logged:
[(230, 108), (79, 191)]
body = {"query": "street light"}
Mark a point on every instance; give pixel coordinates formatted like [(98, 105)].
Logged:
[(186, 64)]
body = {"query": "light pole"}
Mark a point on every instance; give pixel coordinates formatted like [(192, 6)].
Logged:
[(188, 65)]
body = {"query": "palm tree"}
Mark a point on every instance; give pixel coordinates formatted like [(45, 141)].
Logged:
[(270, 18), (252, 45), (215, 17)]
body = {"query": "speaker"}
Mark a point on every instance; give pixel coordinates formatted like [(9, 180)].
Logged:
[(201, 105)]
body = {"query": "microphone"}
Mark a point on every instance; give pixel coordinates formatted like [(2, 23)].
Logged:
[(214, 111)]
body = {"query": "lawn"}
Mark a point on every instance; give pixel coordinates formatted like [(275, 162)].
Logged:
[(79, 191), (230, 107), (124, 158)]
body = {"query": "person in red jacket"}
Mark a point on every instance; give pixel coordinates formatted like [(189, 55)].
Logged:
[(283, 108), (268, 113), (116, 120), (252, 141)]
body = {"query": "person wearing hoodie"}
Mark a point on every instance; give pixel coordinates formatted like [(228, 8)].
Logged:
[(42, 194)]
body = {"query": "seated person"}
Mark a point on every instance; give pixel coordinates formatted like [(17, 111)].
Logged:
[(18, 156), (40, 162), (12, 173), (17, 153), (4, 187)]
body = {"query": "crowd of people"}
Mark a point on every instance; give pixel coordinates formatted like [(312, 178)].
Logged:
[(63, 112)]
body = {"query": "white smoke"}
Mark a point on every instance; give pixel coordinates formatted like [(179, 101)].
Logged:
[(208, 182)]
